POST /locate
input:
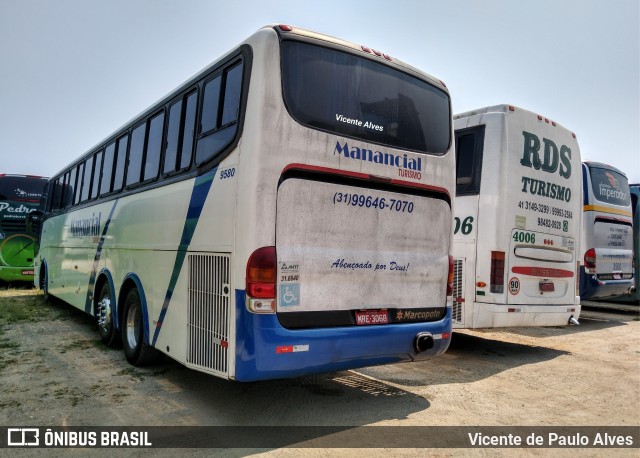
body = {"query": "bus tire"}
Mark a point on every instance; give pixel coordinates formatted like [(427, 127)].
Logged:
[(43, 284), (105, 317), (137, 352)]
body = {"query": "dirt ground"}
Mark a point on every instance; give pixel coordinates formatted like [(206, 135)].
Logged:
[(56, 372)]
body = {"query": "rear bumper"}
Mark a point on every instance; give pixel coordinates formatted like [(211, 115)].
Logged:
[(266, 350), (10, 274), (593, 288), (515, 315)]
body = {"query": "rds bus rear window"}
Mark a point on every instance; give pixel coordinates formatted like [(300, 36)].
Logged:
[(353, 96), (610, 187)]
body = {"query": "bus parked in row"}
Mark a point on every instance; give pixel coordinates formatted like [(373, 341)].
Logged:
[(634, 294), (287, 211), (517, 220), (20, 195), (606, 261)]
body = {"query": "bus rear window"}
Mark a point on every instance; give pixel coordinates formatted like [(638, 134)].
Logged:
[(610, 187), (353, 96)]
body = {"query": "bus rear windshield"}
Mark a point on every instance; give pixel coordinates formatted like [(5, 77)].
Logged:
[(21, 189), (353, 96), (610, 187)]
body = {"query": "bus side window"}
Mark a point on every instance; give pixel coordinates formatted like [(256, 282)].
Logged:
[(86, 182), (97, 171), (121, 160), (153, 147), (180, 133), (469, 149), (219, 116), (76, 199), (173, 137), (57, 194), (72, 187), (135, 154), (107, 169)]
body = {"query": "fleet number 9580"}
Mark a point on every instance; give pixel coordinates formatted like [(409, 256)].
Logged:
[(228, 173)]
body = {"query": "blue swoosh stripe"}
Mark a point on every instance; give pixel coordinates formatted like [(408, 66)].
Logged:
[(199, 195), (96, 259)]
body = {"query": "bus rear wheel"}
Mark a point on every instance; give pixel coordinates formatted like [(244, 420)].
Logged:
[(43, 284), (137, 352), (105, 317)]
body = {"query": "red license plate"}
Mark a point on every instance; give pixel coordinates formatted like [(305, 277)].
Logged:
[(368, 317), (27, 272), (547, 286)]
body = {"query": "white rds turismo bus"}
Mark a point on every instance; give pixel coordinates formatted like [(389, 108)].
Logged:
[(517, 223), (287, 211)]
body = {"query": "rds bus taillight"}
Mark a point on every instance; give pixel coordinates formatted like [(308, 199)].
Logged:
[(590, 261), (261, 280), (497, 272), (450, 277)]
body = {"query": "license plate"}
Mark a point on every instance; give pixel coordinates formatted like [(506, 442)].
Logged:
[(27, 272), (547, 286), (368, 317), (617, 276)]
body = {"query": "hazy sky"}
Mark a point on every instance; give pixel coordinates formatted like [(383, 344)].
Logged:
[(73, 71)]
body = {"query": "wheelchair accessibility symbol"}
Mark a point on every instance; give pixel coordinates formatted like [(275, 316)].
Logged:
[(290, 294)]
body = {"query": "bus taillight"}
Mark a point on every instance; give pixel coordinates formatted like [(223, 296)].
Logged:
[(450, 277), (261, 280), (590, 261), (497, 272)]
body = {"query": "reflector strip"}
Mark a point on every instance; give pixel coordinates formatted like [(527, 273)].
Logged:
[(599, 208), (546, 272), (292, 348)]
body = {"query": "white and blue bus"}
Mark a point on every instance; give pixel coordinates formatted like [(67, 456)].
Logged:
[(606, 264), (517, 220), (287, 211)]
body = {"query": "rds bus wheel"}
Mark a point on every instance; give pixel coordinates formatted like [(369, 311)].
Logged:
[(137, 352), (105, 317)]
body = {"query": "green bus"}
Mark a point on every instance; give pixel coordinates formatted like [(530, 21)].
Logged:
[(20, 195)]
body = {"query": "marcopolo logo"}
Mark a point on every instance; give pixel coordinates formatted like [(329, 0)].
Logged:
[(408, 167)]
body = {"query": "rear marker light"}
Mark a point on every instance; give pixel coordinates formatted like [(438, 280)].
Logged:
[(539, 118), (512, 108), (285, 28), (386, 56), (546, 120), (377, 53), (365, 49)]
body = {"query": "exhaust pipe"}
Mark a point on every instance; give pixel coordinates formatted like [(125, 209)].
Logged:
[(423, 342), (573, 321)]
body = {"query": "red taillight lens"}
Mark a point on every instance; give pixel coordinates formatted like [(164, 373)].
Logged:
[(261, 273), (590, 259), (497, 272), (450, 277)]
